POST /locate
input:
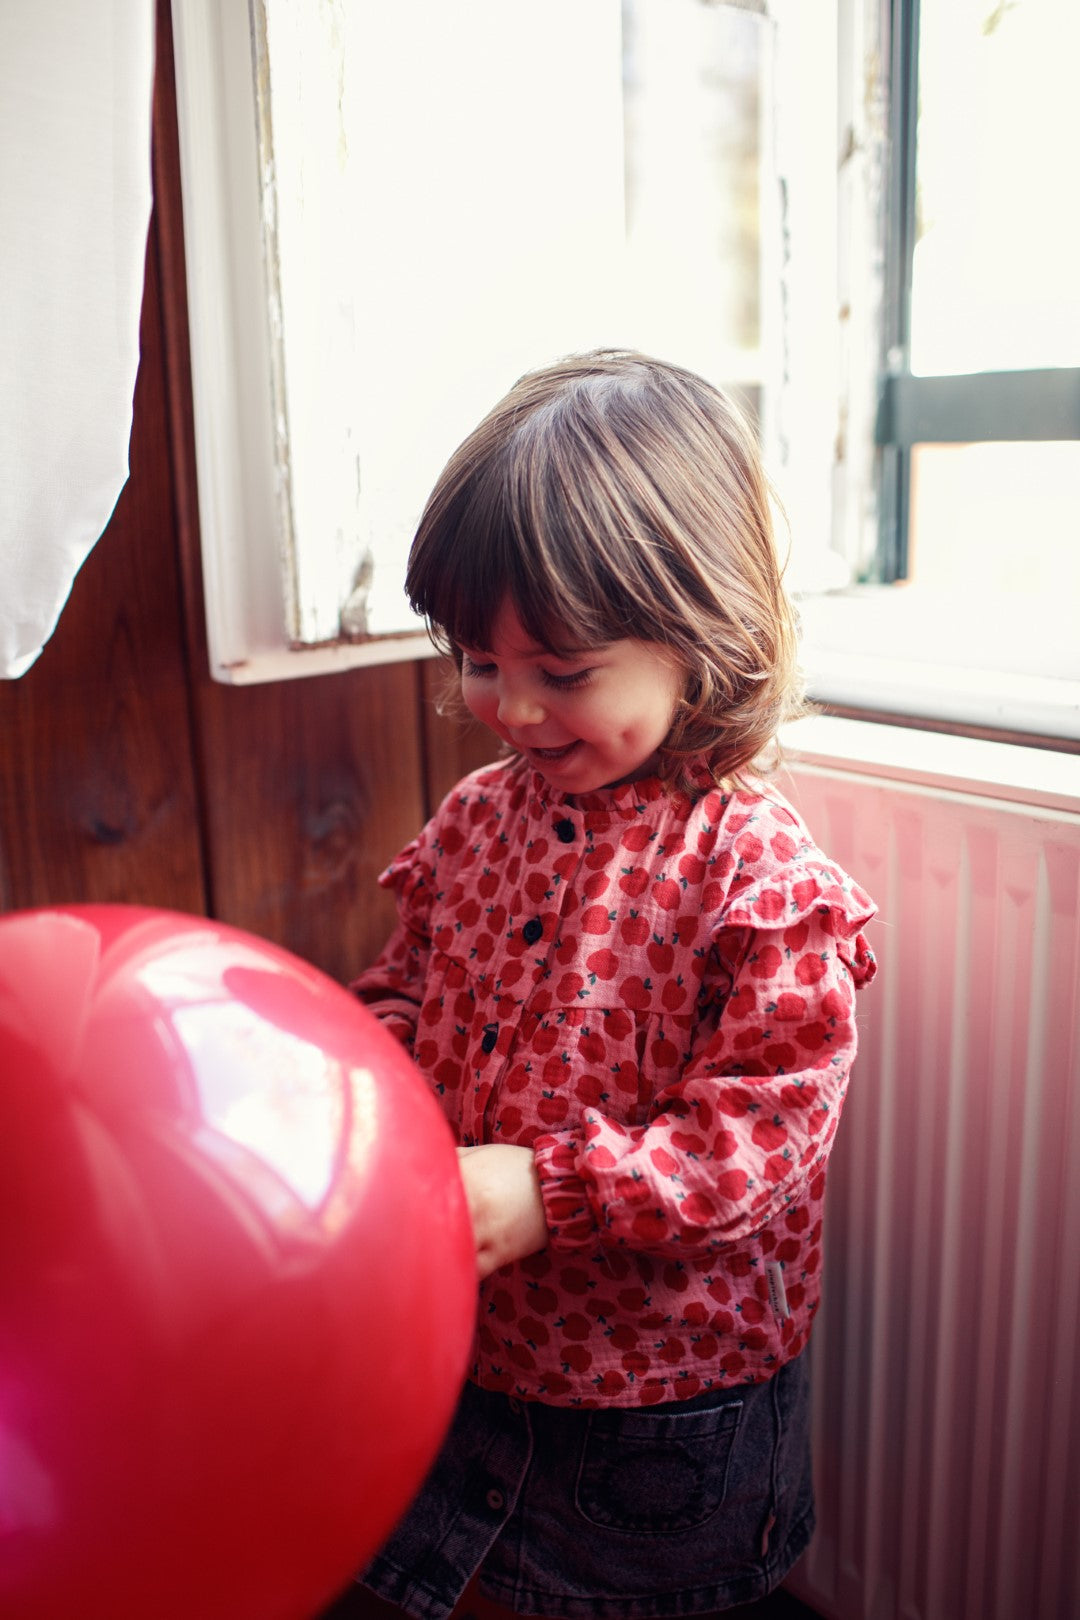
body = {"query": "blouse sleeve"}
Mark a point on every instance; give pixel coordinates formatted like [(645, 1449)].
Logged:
[(751, 1120), (392, 986)]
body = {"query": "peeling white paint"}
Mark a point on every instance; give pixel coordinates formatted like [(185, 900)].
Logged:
[(309, 247), (799, 272)]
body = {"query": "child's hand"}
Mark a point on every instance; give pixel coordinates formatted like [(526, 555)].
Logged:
[(507, 1211)]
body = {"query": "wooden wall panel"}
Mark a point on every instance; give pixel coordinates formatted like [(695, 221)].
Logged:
[(310, 786), (97, 786)]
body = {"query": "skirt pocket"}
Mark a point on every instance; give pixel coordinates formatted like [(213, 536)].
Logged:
[(654, 1472)]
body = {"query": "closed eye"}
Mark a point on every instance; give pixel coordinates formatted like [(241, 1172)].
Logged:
[(567, 683), (559, 683)]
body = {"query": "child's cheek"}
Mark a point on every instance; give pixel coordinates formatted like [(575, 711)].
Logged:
[(483, 706), (473, 694)]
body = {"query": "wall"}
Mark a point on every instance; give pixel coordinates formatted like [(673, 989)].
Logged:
[(126, 774)]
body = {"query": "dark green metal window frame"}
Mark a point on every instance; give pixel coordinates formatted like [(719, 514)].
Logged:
[(988, 405)]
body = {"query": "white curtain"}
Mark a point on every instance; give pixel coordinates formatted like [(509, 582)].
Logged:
[(76, 79)]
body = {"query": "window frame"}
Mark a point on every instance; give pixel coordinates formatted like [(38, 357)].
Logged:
[(1038, 404), (884, 646)]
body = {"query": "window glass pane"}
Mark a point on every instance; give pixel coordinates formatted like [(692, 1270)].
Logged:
[(490, 184), (996, 275), (692, 102), (993, 528)]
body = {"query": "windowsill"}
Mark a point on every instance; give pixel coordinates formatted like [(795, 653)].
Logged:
[(284, 663), (1036, 777), (909, 651)]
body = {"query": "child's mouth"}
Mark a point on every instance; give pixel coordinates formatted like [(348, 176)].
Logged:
[(551, 756)]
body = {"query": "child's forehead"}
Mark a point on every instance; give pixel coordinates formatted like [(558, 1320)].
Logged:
[(508, 637), (527, 649)]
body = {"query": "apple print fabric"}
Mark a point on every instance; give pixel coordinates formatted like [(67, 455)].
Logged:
[(654, 991)]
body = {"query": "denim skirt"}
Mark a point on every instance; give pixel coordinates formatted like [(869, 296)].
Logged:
[(676, 1509)]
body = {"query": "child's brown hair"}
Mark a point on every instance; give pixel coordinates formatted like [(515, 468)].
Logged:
[(612, 495)]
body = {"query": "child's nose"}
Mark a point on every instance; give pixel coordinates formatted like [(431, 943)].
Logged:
[(518, 705)]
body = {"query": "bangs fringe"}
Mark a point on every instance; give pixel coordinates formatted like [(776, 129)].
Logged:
[(514, 527)]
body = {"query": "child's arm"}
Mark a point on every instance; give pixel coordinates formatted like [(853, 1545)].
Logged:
[(747, 1126)]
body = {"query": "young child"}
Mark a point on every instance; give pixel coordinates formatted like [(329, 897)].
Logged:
[(628, 974)]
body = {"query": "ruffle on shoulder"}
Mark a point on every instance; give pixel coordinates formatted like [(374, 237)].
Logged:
[(429, 861), (400, 868), (811, 889), (409, 875)]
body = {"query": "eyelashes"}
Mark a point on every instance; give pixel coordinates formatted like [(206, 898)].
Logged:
[(567, 683), (556, 683)]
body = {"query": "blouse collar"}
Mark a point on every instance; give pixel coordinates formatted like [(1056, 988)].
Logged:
[(624, 802)]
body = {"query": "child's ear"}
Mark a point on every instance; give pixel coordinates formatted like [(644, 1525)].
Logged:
[(691, 688)]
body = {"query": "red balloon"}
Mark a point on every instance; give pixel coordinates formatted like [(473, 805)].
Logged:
[(237, 1277)]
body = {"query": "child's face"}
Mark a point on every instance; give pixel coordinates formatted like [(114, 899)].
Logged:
[(585, 722)]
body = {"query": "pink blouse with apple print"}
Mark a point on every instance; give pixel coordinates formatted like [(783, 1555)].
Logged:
[(653, 990)]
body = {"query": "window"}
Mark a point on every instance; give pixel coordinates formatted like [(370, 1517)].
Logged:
[(393, 211), (851, 213), (978, 415), (983, 321)]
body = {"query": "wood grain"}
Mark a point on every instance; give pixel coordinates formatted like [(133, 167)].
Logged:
[(309, 787), (97, 788)]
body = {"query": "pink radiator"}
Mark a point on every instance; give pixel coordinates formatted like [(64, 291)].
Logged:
[(946, 1356)]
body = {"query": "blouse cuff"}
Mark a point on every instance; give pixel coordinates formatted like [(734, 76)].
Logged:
[(567, 1210)]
